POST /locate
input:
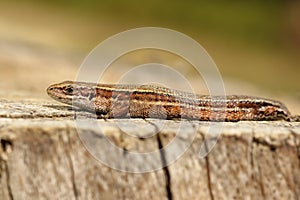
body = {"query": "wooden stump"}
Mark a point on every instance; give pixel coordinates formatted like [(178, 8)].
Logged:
[(44, 155)]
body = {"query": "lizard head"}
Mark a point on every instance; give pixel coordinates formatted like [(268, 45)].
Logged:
[(77, 94)]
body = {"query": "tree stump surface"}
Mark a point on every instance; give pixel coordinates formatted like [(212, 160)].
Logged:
[(46, 154)]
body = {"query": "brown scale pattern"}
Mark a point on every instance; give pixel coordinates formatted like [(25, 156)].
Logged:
[(159, 102)]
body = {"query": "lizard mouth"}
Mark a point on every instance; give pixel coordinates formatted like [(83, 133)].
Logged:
[(57, 94)]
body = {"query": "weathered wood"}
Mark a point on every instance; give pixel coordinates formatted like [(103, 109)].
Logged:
[(42, 156)]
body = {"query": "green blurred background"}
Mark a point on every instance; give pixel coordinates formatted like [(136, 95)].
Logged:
[(252, 41)]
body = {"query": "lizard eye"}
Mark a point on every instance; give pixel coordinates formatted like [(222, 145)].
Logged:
[(69, 90)]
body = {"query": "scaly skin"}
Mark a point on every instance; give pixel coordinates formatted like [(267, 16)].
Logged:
[(123, 101)]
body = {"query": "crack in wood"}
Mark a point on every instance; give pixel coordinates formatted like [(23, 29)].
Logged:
[(209, 184), (163, 160), (251, 150), (9, 190), (297, 145), (69, 159), (262, 189), (6, 146), (165, 167)]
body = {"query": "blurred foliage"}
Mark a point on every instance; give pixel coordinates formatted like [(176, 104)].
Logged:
[(255, 41), (257, 21)]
